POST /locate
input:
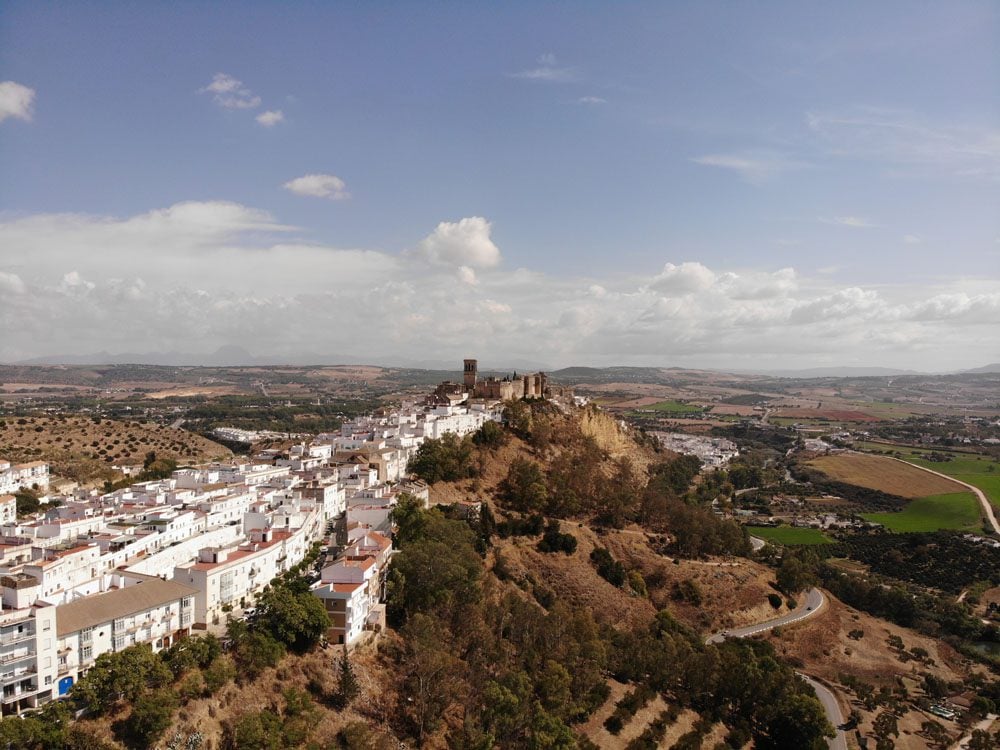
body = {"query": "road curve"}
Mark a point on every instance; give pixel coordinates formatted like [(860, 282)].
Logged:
[(815, 600), (813, 603), (984, 501), (833, 713)]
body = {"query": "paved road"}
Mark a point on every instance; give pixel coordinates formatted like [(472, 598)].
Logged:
[(832, 708), (984, 501), (757, 543), (814, 601)]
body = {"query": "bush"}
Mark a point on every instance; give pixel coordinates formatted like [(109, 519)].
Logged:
[(555, 541), (774, 600), (608, 568)]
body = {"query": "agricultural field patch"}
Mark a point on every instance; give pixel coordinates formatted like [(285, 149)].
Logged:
[(834, 415), (979, 470), (883, 474), (674, 407), (957, 510), (790, 535)]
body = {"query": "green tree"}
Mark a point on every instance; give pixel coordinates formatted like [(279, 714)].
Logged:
[(523, 488), (297, 619), (446, 459), (124, 675), (490, 436), (150, 718), (261, 730), (347, 683)]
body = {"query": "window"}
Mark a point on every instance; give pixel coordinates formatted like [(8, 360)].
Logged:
[(48, 679), (86, 653), (119, 642)]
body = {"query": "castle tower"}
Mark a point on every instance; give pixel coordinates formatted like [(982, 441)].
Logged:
[(471, 373)]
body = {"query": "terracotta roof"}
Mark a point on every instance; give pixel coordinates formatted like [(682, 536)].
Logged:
[(99, 608)]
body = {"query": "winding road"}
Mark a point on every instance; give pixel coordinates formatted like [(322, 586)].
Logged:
[(813, 603), (832, 708), (984, 501), (815, 600)]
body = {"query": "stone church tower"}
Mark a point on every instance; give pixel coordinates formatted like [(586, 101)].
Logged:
[(471, 374)]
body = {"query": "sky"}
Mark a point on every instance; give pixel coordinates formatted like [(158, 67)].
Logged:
[(724, 185)]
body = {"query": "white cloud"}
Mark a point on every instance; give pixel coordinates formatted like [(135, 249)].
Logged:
[(319, 186), (547, 70), (229, 92), (465, 242), (220, 272), (591, 100), (16, 101), (912, 239), (467, 275), (270, 118), (11, 283), (854, 222), (755, 167), (687, 278)]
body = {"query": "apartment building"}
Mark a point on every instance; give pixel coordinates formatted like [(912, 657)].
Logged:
[(142, 610)]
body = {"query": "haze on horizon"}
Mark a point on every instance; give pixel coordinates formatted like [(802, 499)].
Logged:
[(745, 187)]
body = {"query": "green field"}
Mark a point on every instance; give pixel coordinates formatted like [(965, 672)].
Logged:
[(973, 469), (957, 510), (675, 407), (789, 534)]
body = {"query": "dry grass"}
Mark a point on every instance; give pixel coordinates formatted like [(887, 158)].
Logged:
[(375, 704), (83, 449), (884, 474)]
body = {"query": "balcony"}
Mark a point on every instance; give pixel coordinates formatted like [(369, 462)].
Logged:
[(14, 637), (18, 692), (13, 658)]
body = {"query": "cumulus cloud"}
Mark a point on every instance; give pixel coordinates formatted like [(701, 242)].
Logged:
[(220, 273), (270, 118), (319, 186), (465, 242), (687, 278), (16, 100), (230, 93)]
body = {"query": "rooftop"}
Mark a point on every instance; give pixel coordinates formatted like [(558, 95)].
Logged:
[(99, 608)]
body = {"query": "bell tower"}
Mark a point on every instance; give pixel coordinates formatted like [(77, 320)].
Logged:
[(471, 374)]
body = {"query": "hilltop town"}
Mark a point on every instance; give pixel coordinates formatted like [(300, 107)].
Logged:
[(159, 560)]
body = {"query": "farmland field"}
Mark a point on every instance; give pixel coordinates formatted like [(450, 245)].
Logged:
[(674, 407), (790, 534), (976, 469), (958, 511), (883, 474)]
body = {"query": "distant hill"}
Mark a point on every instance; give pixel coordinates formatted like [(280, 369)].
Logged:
[(833, 372), (995, 367)]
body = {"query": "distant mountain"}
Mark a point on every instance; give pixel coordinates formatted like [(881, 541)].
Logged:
[(224, 356), (832, 372), (995, 367)]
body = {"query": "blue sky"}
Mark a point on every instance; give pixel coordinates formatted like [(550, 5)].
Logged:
[(782, 184)]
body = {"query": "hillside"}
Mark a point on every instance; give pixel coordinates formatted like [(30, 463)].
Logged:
[(85, 449), (571, 611)]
